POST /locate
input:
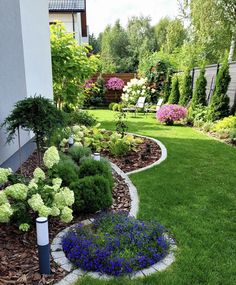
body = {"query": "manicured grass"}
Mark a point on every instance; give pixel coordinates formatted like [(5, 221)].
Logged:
[(193, 194)]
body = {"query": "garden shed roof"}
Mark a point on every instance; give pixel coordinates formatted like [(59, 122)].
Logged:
[(66, 5)]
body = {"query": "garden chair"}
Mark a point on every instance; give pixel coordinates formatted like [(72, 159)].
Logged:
[(139, 105), (158, 106)]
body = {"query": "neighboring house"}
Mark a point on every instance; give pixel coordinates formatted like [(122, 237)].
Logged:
[(25, 67), (73, 14)]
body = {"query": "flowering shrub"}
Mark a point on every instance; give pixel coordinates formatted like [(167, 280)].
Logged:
[(51, 157), (170, 113), (134, 89), (116, 244), (4, 173), (44, 196), (115, 83)]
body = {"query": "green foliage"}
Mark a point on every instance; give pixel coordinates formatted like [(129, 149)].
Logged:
[(175, 36), (92, 193), (71, 65), (121, 123), (186, 90), (199, 94), (80, 117), (161, 31), (219, 105), (78, 152), (66, 169), (110, 107), (95, 92), (226, 123), (95, 44), (198, 116), (167, 85), (114, 49), (174, 94), (120, 144), (90, 167), (37, 114)]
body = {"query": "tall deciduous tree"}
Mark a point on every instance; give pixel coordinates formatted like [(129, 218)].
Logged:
[(71, 66), (161, 31), (114, 53), (141, 38)]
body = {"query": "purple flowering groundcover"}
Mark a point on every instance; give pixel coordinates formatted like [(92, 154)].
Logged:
[(116, 244)]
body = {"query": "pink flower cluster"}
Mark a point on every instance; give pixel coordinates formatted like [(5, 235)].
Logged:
[(171, 113), (89, 84), (115, 83)]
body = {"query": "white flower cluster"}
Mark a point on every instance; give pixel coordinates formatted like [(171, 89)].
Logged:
[(51, 157), (4, 173), (134, 89)]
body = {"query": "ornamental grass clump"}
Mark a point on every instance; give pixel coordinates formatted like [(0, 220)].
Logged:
[(171, 113), (115, 83), (116, 244)]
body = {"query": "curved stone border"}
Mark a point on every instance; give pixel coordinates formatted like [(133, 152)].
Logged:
[(160, 160), (60, 258)]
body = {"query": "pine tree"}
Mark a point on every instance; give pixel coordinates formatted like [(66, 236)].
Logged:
[(219, 105), (186, 93), (199, 94), (174, 95)]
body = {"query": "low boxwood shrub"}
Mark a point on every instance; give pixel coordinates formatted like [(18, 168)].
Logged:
[(80, 117), (110, 107), (90, 167), (66, 169), (92, 193), (116, 244), (171, 113), (78, 152)]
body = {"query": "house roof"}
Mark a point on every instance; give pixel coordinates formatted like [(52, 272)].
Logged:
[(67, 5)]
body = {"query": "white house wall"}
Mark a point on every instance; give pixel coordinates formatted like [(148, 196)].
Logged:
[(25, 67), (67, 19)]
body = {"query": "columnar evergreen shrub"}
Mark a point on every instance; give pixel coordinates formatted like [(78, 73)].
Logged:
[(167, 86), (219, 105), (174, 95), (186, 93), (199, 94)]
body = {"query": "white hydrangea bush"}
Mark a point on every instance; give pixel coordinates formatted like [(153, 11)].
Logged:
[(134, 89), (44, 196)]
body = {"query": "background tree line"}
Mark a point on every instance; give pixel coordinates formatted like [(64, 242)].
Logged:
[(203, 33)]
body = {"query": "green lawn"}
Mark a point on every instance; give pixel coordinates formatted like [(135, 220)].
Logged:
[(193, 194)]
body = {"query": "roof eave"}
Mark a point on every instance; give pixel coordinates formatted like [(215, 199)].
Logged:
[(66, 10)]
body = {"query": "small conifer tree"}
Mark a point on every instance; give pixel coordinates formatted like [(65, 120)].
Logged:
[(167, 86), (174, 95), (186, 93), (219, 104), (199, 94)]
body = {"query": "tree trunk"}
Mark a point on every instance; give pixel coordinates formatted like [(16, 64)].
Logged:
[(232, 47), (20, 153)]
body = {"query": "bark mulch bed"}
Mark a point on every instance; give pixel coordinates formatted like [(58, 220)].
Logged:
[(18, 252)]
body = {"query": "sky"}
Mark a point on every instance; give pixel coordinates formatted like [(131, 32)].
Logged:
[(101, 13)]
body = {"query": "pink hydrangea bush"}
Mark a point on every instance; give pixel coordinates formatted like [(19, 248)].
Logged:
[(171, 113), (115, 83)]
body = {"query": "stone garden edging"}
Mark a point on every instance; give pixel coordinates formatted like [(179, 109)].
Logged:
[(160, 160), (60, 258)]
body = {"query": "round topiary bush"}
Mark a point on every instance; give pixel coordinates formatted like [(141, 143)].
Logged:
[(92, 194), (171, 113), (116, 244)]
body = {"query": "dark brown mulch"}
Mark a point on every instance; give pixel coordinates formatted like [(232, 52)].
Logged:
[(18, 252), (147, 153)]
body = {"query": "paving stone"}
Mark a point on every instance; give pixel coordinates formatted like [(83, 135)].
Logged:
[(71, 278), (95, 275), (138, 274), (58, 254), (105, 277), (160, 266), (63, 282), (56, 247), (86, 222), (61, 260), (149, 271), (169, 259), (79, 272), (56, 241), (68, 267)]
